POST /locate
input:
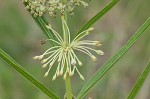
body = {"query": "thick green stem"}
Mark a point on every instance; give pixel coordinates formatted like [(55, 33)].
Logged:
[(68, 87)]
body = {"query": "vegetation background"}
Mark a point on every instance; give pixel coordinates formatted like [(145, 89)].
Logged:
[(20, 37)]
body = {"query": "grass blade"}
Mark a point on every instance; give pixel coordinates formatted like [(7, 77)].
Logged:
[(25, 74), (110, 63), (139, 82), (98, 15)]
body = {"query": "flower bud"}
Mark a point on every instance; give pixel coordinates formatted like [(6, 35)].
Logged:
[(58, 73), (36, 57), (44, 65), (70, 74), (46, 74), (54, 77), (99, 52), (40, 57), (91, 29), (65, 76), (61, 72), (82, 77), (43, 61), (48, 26), (80, 63), (94, 58)]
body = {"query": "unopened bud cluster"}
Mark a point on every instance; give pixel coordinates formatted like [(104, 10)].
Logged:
[(39, 7)]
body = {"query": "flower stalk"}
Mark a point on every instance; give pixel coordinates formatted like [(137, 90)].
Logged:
[(66, 34), (69, 94)]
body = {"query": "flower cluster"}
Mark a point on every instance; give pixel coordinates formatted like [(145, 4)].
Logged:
[(39, 7), (64, 52)]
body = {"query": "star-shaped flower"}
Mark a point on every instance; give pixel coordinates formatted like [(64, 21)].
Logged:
[(64, 52)]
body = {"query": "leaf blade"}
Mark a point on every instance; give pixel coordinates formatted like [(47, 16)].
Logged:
[(25, 74), (41, 21), (99, 15), (110, 63), (139, 82)]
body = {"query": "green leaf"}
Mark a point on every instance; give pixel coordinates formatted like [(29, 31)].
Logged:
[(98, 15), (110, 63), (25, 74), (139, 82), (41, 21)]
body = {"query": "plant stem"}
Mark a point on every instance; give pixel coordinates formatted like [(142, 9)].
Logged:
[(67, 81), (68, 87)]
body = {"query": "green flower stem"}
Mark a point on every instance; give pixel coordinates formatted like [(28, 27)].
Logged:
[(68, 87), (68, 83)]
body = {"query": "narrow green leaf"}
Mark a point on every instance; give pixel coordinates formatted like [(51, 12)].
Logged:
[(139, 82), (110, 63), (41, 21), (25, 74), (99, 15)]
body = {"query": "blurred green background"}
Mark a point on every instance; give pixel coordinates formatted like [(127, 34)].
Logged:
[(20, 37)]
